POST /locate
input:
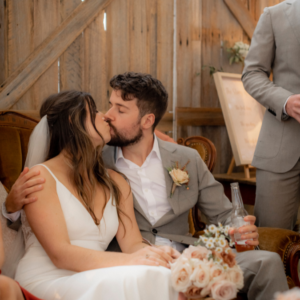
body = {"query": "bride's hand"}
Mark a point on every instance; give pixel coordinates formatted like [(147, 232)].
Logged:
[(151, 256)]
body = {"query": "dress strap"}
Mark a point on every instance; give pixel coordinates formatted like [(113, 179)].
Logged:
[(49, 172)]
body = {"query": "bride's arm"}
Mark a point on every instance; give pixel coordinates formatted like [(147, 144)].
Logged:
[(47, 221)]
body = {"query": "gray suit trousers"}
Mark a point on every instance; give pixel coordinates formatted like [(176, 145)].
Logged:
[(263, 274), (277, 198)]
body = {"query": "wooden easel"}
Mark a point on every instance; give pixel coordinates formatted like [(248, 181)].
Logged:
[(246, 168)]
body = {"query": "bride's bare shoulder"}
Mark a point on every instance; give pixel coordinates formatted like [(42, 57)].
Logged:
[(42, 170)]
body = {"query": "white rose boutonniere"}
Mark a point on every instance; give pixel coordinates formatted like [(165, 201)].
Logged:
[(179, 176)]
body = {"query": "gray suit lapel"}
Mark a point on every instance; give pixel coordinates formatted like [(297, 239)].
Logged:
[(293, 12), (109, 158), (169, 159)]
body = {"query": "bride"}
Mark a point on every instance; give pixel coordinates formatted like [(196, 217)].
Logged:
[(81, 209)]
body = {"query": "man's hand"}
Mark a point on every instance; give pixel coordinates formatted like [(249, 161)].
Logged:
[(292, 107), (247, 232), (27, 183), (170, 251)]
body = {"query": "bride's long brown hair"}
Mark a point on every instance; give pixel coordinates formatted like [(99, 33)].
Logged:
[(66, 115)]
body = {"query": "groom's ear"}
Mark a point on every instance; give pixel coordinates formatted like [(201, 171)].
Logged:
[(148, 121)]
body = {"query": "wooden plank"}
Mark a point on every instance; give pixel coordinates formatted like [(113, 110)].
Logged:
[(20, 40), (152, 32), (187, 116), (48, 52), (138, 36), (243, 16), (46, 19), (35, 114), (71, 61), (165, 46), (196, 34), (184, 53), (117, 39), (240, 177), (3, 41), (95, 68)]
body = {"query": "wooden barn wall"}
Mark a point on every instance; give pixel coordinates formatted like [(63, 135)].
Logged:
[(139, 37)]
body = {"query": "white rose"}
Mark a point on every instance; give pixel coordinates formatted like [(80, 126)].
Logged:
[(181, 271), (235, 275), (179, 177), (201, 275), (223, 290)]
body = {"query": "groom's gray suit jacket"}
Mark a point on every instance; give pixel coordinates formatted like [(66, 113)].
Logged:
[(203, 190)]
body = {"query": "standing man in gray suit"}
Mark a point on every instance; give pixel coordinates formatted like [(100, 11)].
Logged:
[(137, 103), (276, 46)]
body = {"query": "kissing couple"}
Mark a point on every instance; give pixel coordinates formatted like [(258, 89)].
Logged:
[(85, 205)]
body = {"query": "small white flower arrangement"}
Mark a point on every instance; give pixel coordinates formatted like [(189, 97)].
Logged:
[(216, 235), (238, 52)]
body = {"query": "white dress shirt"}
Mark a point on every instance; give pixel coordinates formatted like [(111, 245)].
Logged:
[(10, 216), (148, 185)]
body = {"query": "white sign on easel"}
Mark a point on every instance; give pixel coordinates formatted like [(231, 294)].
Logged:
[(243, 116)]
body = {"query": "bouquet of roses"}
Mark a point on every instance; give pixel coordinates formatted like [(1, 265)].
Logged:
[(208, 269)]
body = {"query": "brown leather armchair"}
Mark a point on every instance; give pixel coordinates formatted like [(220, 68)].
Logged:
[(284, 242), (15, 130)]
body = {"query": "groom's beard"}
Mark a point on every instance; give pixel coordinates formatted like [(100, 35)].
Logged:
[(120, 141)]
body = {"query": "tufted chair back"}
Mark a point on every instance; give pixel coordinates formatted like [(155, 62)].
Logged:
[(15, 130)]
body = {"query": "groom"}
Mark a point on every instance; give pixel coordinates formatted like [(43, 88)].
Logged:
[(137, 103)]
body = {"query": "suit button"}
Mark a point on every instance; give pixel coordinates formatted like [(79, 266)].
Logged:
[(154, 231)]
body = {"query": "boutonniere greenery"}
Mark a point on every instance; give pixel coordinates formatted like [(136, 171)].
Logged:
[(179, 176)]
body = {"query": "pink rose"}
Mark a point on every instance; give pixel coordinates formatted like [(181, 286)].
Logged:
[(201, 274), (235, 275), (181, 271), (223, 290), (196, 252)]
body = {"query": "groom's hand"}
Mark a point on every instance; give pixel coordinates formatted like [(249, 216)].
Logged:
[(248, 232), (171, 251), (27, 183)]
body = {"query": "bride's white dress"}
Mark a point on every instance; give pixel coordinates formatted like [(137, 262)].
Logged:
[(39, 275)]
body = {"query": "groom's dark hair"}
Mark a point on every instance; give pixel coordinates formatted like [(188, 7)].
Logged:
[(151, 95)]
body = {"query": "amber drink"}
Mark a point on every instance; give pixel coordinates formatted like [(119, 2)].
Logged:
[(237, 218)]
